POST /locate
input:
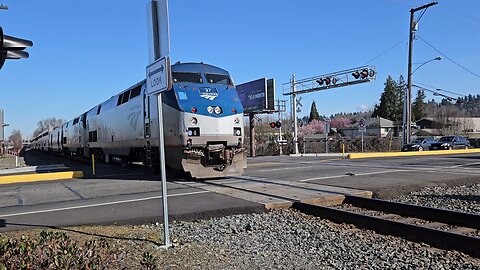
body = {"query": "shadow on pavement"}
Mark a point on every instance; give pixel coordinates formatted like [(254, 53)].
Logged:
[(102, 170)]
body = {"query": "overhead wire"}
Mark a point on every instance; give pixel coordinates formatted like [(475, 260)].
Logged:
[(383, 53), (438, 89), (451, 60), (461, 13)]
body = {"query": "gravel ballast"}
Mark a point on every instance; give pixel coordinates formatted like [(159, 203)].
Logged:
[(465, 198), (287, 239)]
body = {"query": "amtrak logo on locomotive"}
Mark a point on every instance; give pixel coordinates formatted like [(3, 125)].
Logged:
[(208, 93)]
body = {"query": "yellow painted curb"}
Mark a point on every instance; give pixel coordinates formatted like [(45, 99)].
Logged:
[(408, 154), (35, 177)]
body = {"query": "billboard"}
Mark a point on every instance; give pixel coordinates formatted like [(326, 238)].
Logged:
[(257, 96)]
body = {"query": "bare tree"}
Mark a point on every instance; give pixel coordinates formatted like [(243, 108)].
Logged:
[(16, 138), (47, 124)]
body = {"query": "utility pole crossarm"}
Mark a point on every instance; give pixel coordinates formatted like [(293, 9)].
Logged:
[(413, 10)]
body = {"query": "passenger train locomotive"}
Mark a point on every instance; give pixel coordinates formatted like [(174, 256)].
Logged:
[(203, 125)]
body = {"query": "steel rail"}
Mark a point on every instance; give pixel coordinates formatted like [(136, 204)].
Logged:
[(421, 212), (416, 233)]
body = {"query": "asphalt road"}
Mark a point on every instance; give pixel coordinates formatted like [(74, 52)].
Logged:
[(132, 195)]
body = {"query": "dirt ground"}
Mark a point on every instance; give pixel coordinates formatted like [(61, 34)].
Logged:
[(116, 247)]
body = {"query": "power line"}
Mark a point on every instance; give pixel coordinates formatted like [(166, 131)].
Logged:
[(461, 13), (438, 89), (453, 61), (383, 53)]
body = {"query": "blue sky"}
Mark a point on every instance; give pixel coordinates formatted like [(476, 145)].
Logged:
[(87, 51)]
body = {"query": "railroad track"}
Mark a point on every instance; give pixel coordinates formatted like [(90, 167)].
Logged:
[(440, 228)]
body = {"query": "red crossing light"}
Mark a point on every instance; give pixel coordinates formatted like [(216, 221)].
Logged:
[(272, 124), (364, 73)]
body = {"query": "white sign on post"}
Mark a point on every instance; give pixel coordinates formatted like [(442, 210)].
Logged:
[(158, 76), (362, 126)]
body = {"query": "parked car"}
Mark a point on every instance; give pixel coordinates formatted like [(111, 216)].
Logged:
[(419, 144), (450, 142)]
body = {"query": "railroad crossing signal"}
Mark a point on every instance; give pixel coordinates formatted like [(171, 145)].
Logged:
[(277, 124), (299, 104), (364, 73), (12, 48)]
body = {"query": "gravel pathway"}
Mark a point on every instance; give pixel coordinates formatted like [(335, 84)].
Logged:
[(458, 198), (287, 239)]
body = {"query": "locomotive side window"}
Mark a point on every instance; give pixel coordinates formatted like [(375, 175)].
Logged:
[(135, 91), (123, 98), (187, 77), (219, 79), (126, 95), (99, 109)]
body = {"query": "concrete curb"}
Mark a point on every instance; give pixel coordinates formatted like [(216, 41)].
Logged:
[(36, 177), (26, 169), (338, 155), (408, 154)]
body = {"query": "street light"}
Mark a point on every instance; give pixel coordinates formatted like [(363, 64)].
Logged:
[(407, 104), (438, 58)]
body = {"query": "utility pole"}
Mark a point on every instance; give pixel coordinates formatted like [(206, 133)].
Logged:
[(407, 111)]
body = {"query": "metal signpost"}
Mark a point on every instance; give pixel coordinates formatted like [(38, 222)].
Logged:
[(158, 78), (362, 128)]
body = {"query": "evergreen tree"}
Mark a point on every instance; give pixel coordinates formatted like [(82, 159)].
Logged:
[(313, 113), (401, 90), (419, 106), (390, 106)]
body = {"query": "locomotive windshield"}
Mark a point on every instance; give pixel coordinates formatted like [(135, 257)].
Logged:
[(187, 77), (219, 79)]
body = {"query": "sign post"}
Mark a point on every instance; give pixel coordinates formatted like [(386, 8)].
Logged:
[(362, 128), (158, 80)]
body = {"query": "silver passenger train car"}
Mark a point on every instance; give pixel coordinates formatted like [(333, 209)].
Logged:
[(203, 126)]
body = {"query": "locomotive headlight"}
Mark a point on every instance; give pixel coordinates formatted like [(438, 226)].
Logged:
[(210, 109), (194, 121), (218, 110), (236, 121)]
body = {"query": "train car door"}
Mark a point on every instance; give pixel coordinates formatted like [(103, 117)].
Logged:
[(84, 136), (146, 113)]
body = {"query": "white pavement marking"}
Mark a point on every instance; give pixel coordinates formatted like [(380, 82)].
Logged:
[(285, 168), (463, 165), (100, 204), (346, 175)]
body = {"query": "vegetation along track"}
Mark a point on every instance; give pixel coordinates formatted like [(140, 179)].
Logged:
[(440, 228)]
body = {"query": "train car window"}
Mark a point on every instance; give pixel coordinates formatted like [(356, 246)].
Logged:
[(187, 77), (126, 95), (99, 109), (75, 121), (119, 99), (219, 79), (135, 91)]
